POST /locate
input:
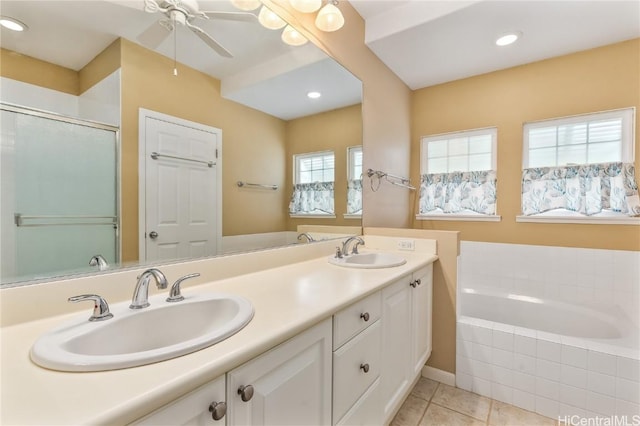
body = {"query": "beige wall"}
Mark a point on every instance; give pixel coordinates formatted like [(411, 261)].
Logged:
[(24, 68), (594, 80), (329, 131)]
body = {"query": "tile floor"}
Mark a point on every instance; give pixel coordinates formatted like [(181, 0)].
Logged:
[(433, 403)]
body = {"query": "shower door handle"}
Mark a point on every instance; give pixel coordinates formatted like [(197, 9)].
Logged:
[(153, 235)]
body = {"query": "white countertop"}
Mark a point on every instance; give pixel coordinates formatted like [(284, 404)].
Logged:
[(287, 300)]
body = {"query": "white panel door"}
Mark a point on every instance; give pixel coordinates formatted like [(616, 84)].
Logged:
[(421, 321), (181, 190)]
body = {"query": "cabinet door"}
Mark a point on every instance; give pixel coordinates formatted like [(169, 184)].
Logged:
[(421, 317), (191, 409), (291, 384), (367, 411), (396, 365)]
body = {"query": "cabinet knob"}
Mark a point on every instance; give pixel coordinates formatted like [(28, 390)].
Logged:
[(218, 410), (418, 281), (413, 284), (245, 392), (364, 367), (365, 316)]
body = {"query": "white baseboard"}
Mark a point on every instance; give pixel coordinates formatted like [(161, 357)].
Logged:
[(439, 375)]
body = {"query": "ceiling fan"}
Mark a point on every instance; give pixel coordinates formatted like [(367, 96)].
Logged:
[(185, 12)]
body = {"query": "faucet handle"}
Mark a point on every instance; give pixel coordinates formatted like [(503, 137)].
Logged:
[(100, 306), (174, 293), (358, 242), (338, 253)]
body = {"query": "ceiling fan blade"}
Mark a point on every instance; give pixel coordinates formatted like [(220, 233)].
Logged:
[(232, 16), (209, 41), (155, 34)]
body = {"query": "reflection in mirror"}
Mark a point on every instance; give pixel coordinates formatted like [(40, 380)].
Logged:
[(257, 99)]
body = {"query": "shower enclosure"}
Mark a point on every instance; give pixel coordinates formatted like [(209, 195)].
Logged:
[(58, 194)]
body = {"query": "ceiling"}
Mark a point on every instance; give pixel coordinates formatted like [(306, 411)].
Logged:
[(265, 73), (428, 42)]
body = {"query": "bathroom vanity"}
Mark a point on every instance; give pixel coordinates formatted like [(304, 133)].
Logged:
[(327, 345)]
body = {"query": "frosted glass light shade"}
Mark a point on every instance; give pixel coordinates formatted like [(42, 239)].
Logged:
[(292, 37), (329, 18), (270, 20), (306, 6), (247, 5)]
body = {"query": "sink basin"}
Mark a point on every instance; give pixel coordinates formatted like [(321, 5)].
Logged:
[(369, 260), (137, 337)]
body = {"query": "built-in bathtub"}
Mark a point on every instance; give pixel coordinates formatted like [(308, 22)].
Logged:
[(556, 358)]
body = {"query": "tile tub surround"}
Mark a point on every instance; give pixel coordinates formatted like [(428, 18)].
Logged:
[(548, 373)]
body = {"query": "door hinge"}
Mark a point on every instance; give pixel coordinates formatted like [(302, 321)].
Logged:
[(216, 153)]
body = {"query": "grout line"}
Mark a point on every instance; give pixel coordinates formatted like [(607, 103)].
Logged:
[(489, 413)]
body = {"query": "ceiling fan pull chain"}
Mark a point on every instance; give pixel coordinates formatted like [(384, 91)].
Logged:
[(175, 50)]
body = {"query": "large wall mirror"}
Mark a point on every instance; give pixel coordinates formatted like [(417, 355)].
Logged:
[(73, 85)]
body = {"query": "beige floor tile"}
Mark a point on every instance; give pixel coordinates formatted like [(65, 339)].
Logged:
[(462, 401), (411, 412), (505, 414), (440, 416), (425, 388)]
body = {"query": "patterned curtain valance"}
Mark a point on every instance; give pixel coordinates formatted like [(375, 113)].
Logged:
[(312, 198), (458, 191), (587, 189), (354, 196)]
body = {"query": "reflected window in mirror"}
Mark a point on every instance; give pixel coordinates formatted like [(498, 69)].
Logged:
[(354, 182), (313, 183)]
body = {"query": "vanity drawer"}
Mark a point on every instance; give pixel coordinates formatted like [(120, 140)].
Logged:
[(356, 365), (355, 318), (367, 411)]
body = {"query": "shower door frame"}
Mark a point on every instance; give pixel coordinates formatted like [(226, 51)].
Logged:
[(34, 112)]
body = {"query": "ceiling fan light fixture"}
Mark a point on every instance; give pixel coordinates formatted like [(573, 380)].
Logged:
[(292, 37), (306, 6), (247, 5), (12, 24), (329, 18), (269, 19), (313, 95)]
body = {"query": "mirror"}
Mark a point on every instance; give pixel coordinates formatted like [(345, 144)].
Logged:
[(257, 99)]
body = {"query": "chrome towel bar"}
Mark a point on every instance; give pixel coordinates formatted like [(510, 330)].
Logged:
[(257, 185), (156, 155)]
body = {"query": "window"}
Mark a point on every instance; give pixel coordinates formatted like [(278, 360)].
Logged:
[(354, 182), (458, 179), (313, 184), (467, 151), (603, 137), (580, 168)]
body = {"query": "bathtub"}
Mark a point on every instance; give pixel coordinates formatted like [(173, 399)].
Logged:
[(555, 358)]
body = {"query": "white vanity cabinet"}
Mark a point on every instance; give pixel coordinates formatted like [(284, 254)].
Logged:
[(356, 363), (195, 408), (288, 385), (406, 335)]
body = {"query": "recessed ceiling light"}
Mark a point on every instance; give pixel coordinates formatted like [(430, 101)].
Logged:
[(508, 39), (314, 95), (12, 24)]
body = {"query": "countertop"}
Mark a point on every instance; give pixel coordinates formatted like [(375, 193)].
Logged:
[(287, 300)]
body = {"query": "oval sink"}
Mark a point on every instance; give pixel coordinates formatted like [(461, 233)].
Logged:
[(137, 337), (369, 260)]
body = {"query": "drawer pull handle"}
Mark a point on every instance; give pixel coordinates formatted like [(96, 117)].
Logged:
[(365, 316), (364, 367), (218, 410), (245, 392)]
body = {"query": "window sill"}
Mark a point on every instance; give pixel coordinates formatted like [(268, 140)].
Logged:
[(312, 216), (352, 216), (585, 220), (460, 217)]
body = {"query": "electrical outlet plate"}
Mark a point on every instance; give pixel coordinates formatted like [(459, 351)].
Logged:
[(406, 245)]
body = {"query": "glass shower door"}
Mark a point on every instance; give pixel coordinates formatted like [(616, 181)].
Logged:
[(64, 194)]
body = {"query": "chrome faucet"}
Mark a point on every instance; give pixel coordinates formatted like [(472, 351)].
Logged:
[(345, 245), (141, 293), (99, 261), (307, 236)]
